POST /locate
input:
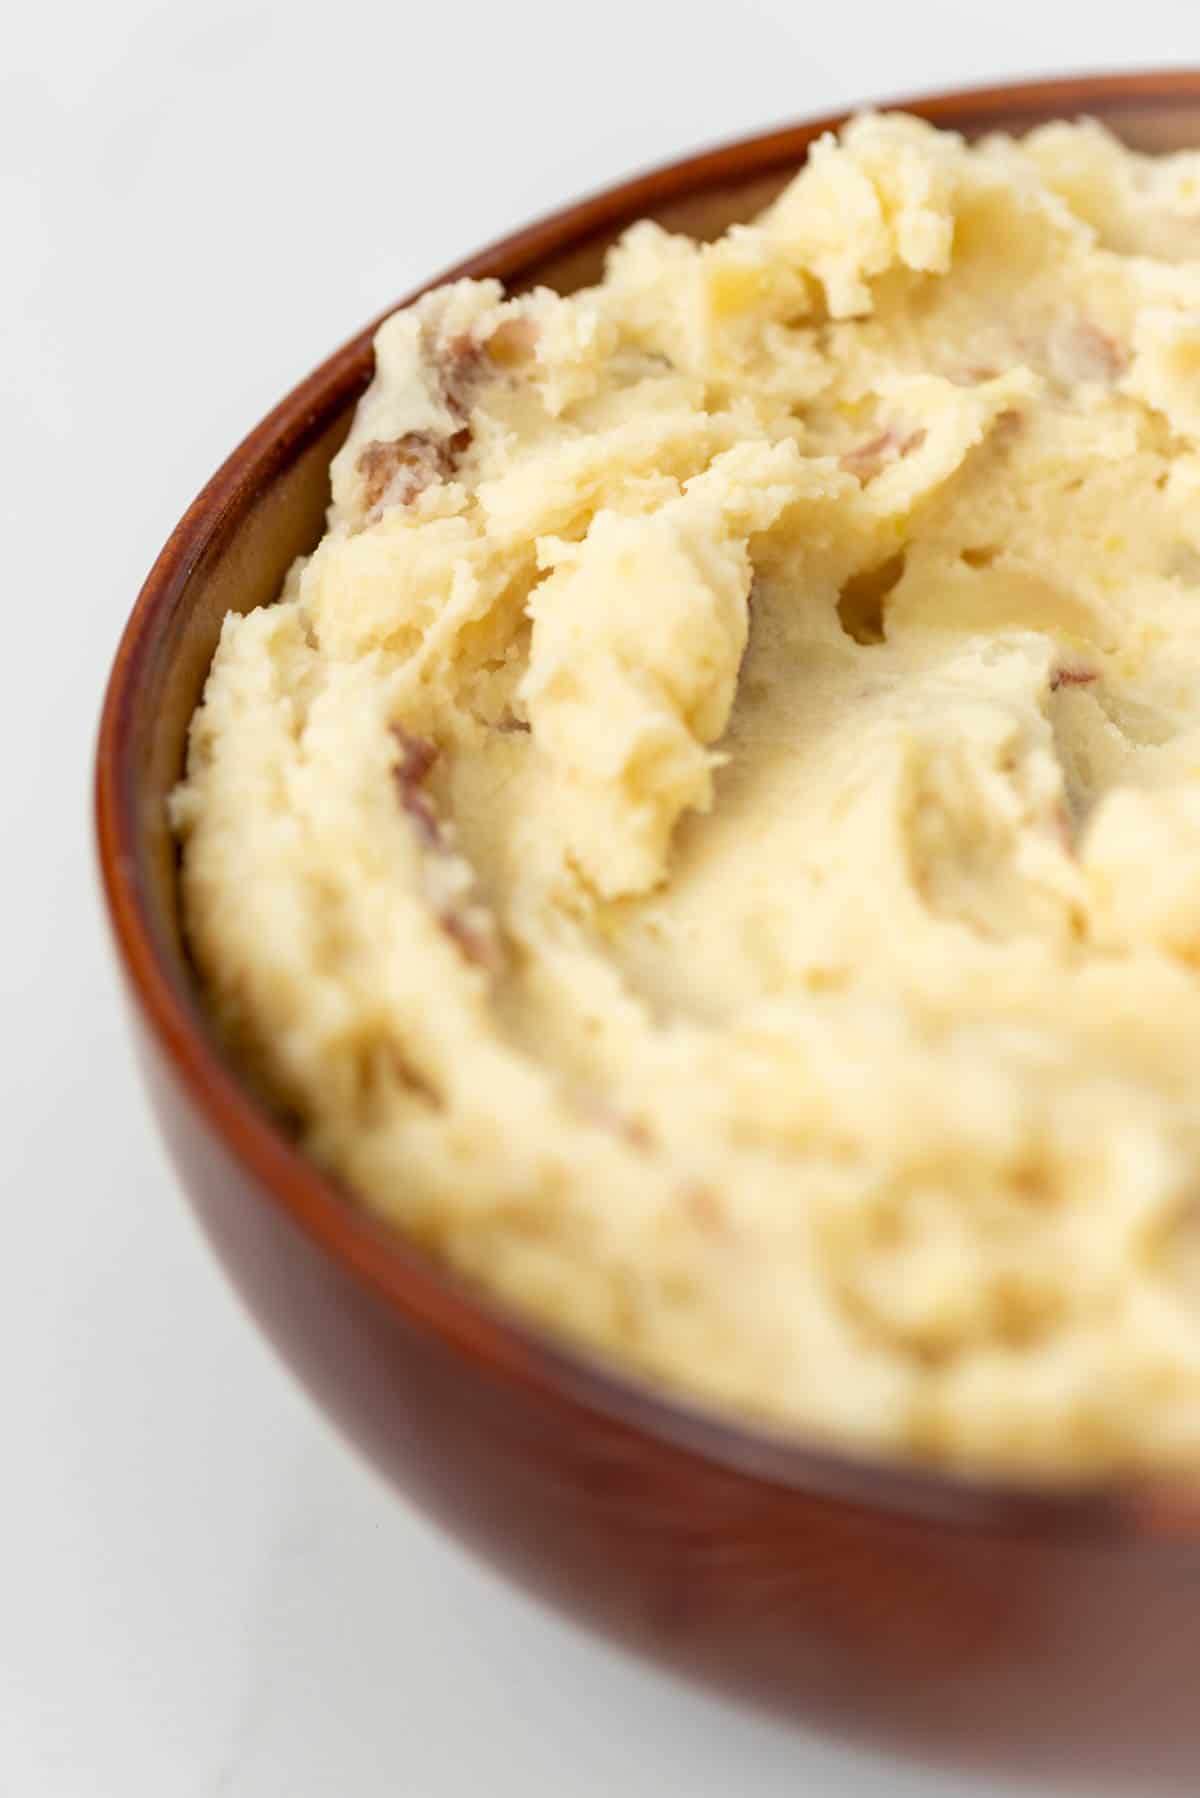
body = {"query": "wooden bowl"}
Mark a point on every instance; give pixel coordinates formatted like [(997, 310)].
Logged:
[(1003, 1625)]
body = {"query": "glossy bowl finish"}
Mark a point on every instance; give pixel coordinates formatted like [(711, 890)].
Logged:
[(995, 1624)]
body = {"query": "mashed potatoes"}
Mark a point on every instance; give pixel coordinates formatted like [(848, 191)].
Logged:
[(710, 841)]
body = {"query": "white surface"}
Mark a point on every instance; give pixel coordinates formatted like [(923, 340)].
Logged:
[(201, 1592)]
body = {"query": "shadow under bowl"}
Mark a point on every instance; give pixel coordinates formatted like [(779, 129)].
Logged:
[(993, 1624)]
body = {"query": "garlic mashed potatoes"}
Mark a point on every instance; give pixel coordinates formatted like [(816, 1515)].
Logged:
[(709, 843)]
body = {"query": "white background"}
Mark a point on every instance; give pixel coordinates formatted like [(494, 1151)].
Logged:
[(202, 1593)]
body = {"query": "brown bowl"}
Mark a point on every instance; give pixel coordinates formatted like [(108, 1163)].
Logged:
[(976, 1620)]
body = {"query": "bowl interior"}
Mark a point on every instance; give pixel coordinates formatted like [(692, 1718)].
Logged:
[(266, 506)]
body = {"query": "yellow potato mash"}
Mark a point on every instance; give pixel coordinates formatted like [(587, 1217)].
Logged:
[(709, 843)]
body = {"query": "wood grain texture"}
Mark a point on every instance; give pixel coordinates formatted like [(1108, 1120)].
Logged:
[(987, 1623)]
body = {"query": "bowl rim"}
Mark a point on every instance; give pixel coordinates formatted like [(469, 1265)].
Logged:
[(467, 1322)]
